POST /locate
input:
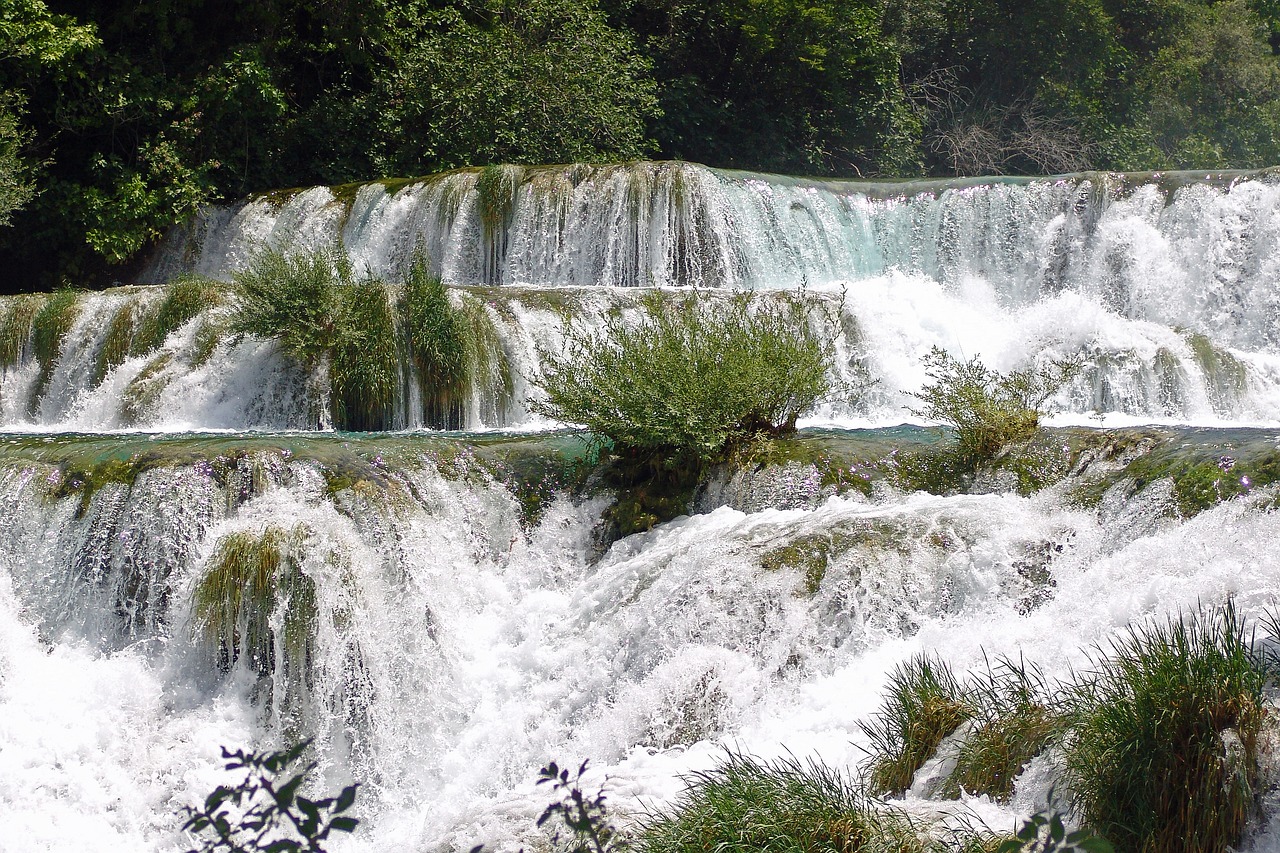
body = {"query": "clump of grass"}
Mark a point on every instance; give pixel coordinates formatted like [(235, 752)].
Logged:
[(364, 368), (746, 805), (989, 411), (184, 298), (248, 578), (438, 342), (207, 338), (496, 190), (15, 328), (690, 379), (924, 705), (296, 299), (143, 391), (1163, 754), (117, 342), (1013, 723), (49, 328)]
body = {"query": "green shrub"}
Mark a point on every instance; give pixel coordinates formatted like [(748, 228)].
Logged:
[(688, 379), (1045, 832), (364, 368), (988, 410), (115, 345), (924, 705), (264, 812), (1013, 723), (49, 328), (438, 343), (15, 327), (1163, 753), (184, 298), (247, 578), (296, 299), (750, 806)]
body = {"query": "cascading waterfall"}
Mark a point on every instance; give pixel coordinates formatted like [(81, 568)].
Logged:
[(445, 615)]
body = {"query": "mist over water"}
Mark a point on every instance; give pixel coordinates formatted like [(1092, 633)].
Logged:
[(458, 645)]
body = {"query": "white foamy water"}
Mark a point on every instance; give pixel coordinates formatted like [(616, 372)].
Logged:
[(455, 652)]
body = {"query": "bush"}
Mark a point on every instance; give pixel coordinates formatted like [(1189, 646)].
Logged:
[(296, 299), (262, 814), (689, 379), (1163, 754), (1013, 723), (750, 806), (924, 705), (438, 340), (988, 410)]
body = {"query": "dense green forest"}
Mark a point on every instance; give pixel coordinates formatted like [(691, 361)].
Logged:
[(117, 120)]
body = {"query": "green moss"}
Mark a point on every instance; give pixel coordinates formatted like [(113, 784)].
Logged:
[(15, 327), (1225, 375), (1200, 484), (364, 369), (144, 390), (184, 298), (117, 342), (49, 329), (248, 577), (809, 554), (87, 481)]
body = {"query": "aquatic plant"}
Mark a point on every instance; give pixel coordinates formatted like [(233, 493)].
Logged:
[(1044, 832), (689, 380), (143, 391), (296, 299), (1013, 723), (49, 327), (117, 342), (1163, 754), (924, 704), (496, 189), (585, 817), (439, 343), (988, 410), (264, 812), (746, 805), (248, 577), (15, 327), (364, 368), (184, 298)]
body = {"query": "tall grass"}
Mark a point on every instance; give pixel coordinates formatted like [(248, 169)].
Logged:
[(15, 327), (746, 805), (924, 704), (117, 342), (688, 378), (364, 367), (1163, 756), (184, 298), (439, 343), (247, 578), (49, 328), (297, 299), (1013, 723)]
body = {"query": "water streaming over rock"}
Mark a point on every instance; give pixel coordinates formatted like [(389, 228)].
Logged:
[(451, 616)]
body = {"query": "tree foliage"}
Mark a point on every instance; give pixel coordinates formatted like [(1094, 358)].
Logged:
[(116, 122)]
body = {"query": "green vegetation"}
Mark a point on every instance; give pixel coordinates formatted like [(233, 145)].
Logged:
[(184, 298), (1012, 723), (682, 387), (364, 369), (15, 327), (117, 341), (219, 103), (1044, 832), (1164, 745), (143, 391), (49, 327), (440, 344), (746, 805), (296, 299), (248, 577), (924, 705), (265, 812)]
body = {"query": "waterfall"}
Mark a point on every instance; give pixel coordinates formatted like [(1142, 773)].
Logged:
[(447, 610)]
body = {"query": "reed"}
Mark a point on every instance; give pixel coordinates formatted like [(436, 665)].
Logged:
[(364, 368), (16, 326), (440, 342), (49, 328), (117, 341), (184, 298)]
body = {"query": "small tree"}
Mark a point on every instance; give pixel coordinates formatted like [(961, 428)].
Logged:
[(690, 379), (988, 410)]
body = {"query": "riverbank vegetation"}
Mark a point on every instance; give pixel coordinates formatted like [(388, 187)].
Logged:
[(113, 127)]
